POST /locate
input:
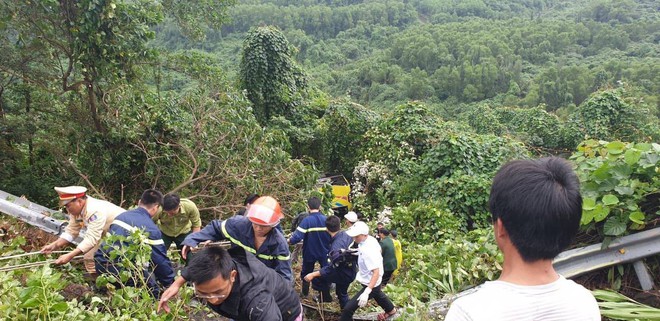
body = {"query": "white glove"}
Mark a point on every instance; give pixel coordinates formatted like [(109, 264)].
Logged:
[(364, 297)]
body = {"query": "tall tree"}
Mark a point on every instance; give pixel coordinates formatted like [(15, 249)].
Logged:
[(272, 79)]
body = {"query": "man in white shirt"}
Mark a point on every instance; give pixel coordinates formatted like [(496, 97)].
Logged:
[(370, 274), (536, 209)]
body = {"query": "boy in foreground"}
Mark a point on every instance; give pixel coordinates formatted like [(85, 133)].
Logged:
[(536, 209)]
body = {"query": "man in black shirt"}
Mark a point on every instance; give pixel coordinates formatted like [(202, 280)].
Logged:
[(237, 285)]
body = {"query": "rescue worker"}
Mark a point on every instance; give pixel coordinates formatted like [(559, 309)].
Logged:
[(84, 211), (178, 218), (398, 251), (389, 255), (370, 274), (255, 233), (342, 264), (235, 284), (316, 243), (350, 217), (125, 224)]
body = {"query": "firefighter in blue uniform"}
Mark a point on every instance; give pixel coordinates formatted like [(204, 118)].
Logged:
[(125, 224), (316, 244), (255, 233), (342, 262)]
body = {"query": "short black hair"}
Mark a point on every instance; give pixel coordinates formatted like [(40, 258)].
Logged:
[(314, 203), (171, 201), (250, 199), (151, 198), (539, 204), (384, 231), (394, 233), (208, 264), (333, 223)]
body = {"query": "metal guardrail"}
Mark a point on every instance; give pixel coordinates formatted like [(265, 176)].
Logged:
[(631, 248), (33, 214)]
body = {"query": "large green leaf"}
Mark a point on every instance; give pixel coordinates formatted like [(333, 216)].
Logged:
[(30, 303), (587, 217), (610, 200), (637, 217), (588, 203), (614, 226), (624, 190), (632, 156), (601, 212), (615, 148)]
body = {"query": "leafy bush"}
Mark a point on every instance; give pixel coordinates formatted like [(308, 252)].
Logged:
[(471, 154), (39, 296), (340, 130), (464, 195), (607, 115), (483, 119), (457, 171), (537, 127), (423, 223), (403, 135), (449, 265), (616, 179)]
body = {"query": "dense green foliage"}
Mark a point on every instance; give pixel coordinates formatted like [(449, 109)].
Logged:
[(515, 52), (103, 109), (620, 184), (41, 295), (448, 265)]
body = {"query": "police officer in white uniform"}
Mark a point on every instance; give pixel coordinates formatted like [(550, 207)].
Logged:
[(84, 211)]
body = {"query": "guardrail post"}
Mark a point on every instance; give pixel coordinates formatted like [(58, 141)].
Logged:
[(643, 275)]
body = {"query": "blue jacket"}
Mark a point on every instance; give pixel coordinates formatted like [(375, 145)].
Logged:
[(342, 266), (316, 238), (274, 252), (124, 224)]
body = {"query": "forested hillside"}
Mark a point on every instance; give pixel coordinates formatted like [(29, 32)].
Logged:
[(448, 53)]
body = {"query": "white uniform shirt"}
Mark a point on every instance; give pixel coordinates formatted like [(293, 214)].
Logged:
[(369, 258), (97, 216), (561, 300)]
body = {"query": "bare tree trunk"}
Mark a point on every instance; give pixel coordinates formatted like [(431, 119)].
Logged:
[(91, 100)]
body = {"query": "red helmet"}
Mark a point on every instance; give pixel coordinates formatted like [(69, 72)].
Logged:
[(265, 211)]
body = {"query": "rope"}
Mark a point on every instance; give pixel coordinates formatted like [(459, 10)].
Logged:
[(31, 264), (27, 254)]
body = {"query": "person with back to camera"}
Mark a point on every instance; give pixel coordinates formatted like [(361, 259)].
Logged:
[(316, 245), (536, 209), (159, 267), (342, 264)]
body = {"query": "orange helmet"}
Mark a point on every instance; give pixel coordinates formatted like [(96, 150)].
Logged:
[(265, 211)]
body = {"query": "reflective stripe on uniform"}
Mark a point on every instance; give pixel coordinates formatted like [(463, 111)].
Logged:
[(133, 229), (249, 249), (312, 229)]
